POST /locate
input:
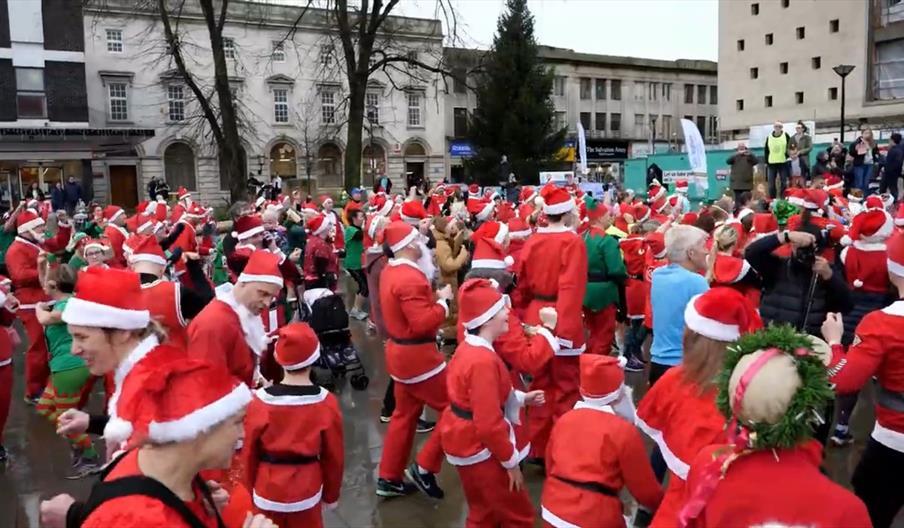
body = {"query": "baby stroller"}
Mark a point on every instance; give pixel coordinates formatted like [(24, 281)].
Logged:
[(325, 312)]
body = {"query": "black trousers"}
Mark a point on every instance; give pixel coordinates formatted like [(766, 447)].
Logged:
[(389, 399), (877, 481), (889, 184)]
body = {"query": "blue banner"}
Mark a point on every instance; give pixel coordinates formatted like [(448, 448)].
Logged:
[(461, 149)]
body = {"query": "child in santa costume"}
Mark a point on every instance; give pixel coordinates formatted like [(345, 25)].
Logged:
[(553, 272), (772, 389), (606, 272), (185, 416), (480, 429), (293, 451), (877, 351), (594, 451), (634, 251), (8, 307), (679, 412)]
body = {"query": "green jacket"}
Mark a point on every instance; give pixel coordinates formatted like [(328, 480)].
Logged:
[(605, 269), (220, 271)]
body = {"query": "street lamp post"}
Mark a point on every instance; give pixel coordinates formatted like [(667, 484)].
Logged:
[(843, 70)]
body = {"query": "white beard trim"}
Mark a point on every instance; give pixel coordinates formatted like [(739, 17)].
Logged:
[(425, 262)]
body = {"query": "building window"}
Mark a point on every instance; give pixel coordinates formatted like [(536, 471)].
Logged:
[(701, 125), (666, 91), (754, 73), (887, 81), (754, 9), (31, 102), (801, 33), (229, 48), (833, 94), (460, 122), (665, 126), (786, 3), (739, 105), (585, 88), (279, 52), (640, 89), (458, 80), (767, 101), (799, 97), (372, 107), (558, 86), (414, 109), (281, 105), (783, 68), (713, 95), (600, 89), (600, 122), (114, 40), (833, 26), (615, 122), (701, 94), (585, 120), (119, 101), (816, 62), (688, 94), (560, 120), (654, 91), (179, 166), (640, 121), (769, 39), (326, 55), (615, 90), (740, 44), (327, 106), (175, 98)]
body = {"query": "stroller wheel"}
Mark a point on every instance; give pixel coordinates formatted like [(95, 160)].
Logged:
[(359, 381)]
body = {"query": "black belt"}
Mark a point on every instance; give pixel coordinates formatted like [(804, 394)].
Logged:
[(464, 414), (413, 340), (546, 298), (598, 277), (287, 459), (635, 277), (890, 399), (595, 487)]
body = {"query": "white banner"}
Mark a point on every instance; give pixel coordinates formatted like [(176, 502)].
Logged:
[(696, 151), (582, 148)]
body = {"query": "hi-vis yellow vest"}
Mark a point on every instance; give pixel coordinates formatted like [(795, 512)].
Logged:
[(777, 148)]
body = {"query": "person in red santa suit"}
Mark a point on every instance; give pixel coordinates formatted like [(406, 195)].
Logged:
[(293, 451), (338, 237), (553, 272), (594, 450), (229, 330), (479, 429), (637, 290), (772, 388), (877, 351), (321, 265), (412, 313), (527, 208), (183, 202), (724, 268), (519, 231), (8, 306), (116, 233), (679, 412), (186, 416), (22, 263)]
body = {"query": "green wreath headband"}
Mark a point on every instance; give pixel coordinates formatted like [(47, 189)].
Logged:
[(804, 411)]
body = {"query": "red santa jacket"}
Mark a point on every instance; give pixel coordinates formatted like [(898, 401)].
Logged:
[(237, 260), (7, 318), (216, 335), (553, 272), (781, 487), (591, 445), (318, 249), (865, 266), (338, 232), (117, 237), (22, 263), (652, 264), (681, 421), (412, 317), (139, 511), (634, 250), (482, 420), (286, 421), (162, 298), (877, 350), (525, 354)]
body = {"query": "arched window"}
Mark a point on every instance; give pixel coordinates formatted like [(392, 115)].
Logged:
[(282, 161), (415, 149), (373, 164), (179, 165), (329, 166)]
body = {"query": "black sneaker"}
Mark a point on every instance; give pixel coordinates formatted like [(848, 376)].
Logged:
[(634, 365), (425, 482), (31, 400), (385, 416), (424, 426), (842, 437), (83, 467), (3, 455), (394, 488)]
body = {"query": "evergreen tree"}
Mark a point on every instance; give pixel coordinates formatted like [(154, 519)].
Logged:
[(514, 114)]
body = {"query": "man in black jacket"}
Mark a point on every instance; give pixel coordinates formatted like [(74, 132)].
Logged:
[(893, 161)]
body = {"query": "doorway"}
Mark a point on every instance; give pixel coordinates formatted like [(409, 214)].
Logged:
[(46, 176), (124, 186), (414, 174)]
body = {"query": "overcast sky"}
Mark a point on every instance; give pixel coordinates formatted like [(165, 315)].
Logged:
[(659, 29)]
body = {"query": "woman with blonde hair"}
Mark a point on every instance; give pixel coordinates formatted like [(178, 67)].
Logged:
[(726, 268), (679, 412)]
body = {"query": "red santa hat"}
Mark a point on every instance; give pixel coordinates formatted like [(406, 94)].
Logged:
[(795, 196), (814, 199), (728, 269), (262, 266), (473, 191), (176, 401), (94, 243), (297, 346), (660, 204), (873, 202), (722, 314), (479, 301), (595, 210), (398, 235), (764, 224), (744, 213), (107, 298), (488, 246), (602, 378), (655, 192), (482, 209), (681, 186), (28, 220), (899, 215), (518, 229), (324, 199), (160, 212), (641, 213), (247, 226), (834, 182), (527, 193), (872, 225), (380, 205), (895, 254), (112, 212), (182, 193), (195, 210), (656, 242), (320, 224), (147, 249), (144, 223), (556, 200), (412, 211), (689, 218)]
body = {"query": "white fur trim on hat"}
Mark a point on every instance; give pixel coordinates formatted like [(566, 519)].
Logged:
[(500, 236), (486, 211), (147, 257), (488, 264), (80, 312), (708, 327), (481, 319), (409, 238), (386, 209), (895, 268), (519, 235), (605, 399), (269, 279), (306, 363), (31, 224), (244, 235), (200, 420), (326, 224), (116, 215), (887, 229), (560, 208), (117, 430)]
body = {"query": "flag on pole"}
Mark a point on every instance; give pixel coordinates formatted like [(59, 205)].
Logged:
[(582, 148), (696, 153)]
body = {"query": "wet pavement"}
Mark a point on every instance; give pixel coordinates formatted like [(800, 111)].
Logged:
[(39, 460)]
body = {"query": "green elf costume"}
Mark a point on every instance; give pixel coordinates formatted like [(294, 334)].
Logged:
[(605, 271)]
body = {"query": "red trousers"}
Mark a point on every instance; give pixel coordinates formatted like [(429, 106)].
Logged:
[(310, 518), (561, 385), (490, 503), (6, 394), (410, 400), (37, 369), (601, 327)]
